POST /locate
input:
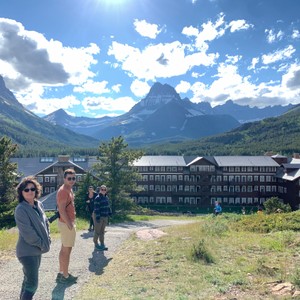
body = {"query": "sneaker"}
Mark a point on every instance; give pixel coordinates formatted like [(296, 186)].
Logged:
[(58, 277), (101, 247), (67, 280), (98, 247)]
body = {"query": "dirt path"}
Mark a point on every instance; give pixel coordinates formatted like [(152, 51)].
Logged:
[(85, 262)]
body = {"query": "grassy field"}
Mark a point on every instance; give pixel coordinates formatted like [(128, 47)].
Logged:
[(225, 257), (230, 256)]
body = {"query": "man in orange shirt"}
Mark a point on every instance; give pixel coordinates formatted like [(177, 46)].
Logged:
[(66, 225)]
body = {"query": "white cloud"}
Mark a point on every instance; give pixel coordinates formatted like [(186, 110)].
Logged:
[(272, 36), (239, 25), (296, 34), (146, 29), (183, 87), (91, 86), (34, 101), (140, 88), (146, 64), (291, 79), (122, 104), (278, 55), (232, 59), (116, 88), (30, 56), (254, 62)]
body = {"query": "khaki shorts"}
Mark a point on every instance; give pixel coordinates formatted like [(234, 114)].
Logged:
[(67, 236)]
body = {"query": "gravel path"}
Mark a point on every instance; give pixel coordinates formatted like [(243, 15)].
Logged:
[(85, 262)]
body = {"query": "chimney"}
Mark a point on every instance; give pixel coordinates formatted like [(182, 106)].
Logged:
[(296, 155), (63, 158)]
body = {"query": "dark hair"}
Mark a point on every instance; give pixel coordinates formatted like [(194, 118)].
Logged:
[(22, 185), (68, 171)]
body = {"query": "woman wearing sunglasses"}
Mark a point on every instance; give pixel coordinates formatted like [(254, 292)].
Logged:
[(101, 213), (34, 238)]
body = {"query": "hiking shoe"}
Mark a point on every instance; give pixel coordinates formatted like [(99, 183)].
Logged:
[(58, 277), (101, 247), (67, 280)]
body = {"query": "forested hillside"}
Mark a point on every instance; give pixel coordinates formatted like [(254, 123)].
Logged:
[(277, 135)]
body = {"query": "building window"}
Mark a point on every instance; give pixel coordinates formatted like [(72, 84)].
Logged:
[(40, 179), (52, 179), (151, 187), (46, 190), (262, 178), (169, 199), (193, 168), (151, 177), (47, 179)]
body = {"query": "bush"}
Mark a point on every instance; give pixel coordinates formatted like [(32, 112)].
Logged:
[(274, 205), (201, 252)]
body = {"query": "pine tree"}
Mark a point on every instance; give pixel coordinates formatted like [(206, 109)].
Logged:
[(8, 181), (116, 170)]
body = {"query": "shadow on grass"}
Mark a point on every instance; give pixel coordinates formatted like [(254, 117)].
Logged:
[(98, 262)]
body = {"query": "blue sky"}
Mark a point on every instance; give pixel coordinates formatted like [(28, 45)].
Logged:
[(100, 57)]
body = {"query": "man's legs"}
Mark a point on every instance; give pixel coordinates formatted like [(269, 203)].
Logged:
[(64, 260)]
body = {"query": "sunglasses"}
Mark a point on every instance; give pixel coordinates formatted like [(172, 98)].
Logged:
[(103, 189), (31, 189), (71, 178)]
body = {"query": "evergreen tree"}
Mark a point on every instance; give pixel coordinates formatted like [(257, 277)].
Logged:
[(80, 204), (115, 170), (8, 180)]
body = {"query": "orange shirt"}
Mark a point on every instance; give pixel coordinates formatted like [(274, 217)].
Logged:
[(64, 196)]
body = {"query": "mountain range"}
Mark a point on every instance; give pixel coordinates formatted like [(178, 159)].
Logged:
[(30, 131), (162, 116)]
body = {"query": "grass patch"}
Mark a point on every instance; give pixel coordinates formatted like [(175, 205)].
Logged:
[(213, 258)]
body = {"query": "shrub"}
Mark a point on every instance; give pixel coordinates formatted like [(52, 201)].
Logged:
[(201, 252), (274, 205)]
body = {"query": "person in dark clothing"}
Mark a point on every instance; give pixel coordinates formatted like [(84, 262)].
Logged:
[(100, 215), (89, 200), (34, 235)]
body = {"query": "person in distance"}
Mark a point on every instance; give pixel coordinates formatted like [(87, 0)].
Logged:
[(89, 200)]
